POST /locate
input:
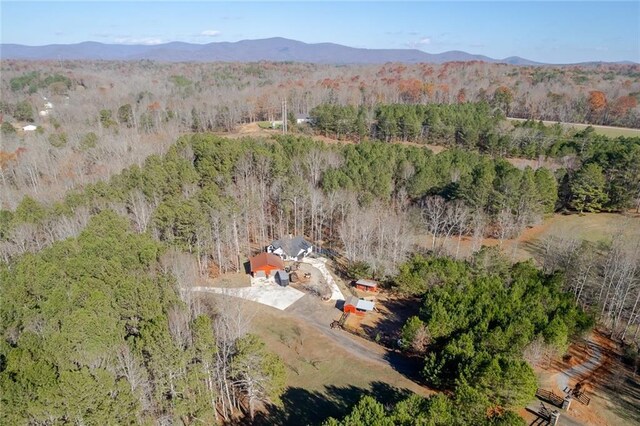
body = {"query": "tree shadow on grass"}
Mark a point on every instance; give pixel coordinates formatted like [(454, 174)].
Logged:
[(409, 366), (396, 313), (303, 407)]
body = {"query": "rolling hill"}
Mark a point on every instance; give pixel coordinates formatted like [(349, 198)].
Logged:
[(270, 49)]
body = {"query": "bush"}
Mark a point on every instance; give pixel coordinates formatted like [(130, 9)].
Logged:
[(357, 270), (7, 129)]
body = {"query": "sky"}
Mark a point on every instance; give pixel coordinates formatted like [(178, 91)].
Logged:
[(545, 31)]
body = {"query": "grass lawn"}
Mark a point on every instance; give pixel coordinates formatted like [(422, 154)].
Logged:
[(323, 379), (264, 124)]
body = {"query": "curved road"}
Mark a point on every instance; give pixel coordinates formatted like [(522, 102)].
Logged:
[(581, 370)]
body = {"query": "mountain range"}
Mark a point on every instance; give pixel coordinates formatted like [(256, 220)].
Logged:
[(270, 49)]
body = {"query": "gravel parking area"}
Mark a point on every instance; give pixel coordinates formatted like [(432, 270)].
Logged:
[(319, 264)]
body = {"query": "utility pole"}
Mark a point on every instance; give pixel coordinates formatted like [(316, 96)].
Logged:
[(284, 116)]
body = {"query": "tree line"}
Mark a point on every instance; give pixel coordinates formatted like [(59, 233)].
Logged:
[(218, 197), (101, 117), (595, 172)]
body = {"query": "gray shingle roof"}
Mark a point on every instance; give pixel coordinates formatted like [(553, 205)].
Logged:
[(291, 245)]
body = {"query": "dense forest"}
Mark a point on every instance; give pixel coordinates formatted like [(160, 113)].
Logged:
[(214, 195), (96, 332), (220, 198), (96, 118)]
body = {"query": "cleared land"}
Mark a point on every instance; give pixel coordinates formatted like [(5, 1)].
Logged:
[(610, 131), (591, 227), (613, 388), (326, 374)]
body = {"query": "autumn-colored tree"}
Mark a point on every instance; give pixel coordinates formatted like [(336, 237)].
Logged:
[(429, 88), (502, 98), (623, 104), (462, 96), (597, 101), (410, 90)]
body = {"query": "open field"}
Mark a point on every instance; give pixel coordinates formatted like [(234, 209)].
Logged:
[(324, 378), (591, 227), (610, 131)]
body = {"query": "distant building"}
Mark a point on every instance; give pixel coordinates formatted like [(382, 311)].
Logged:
[(276, 124), (358, 306), (291, 248), (302, 118), (263, 264), (29, 128), (366, 285)]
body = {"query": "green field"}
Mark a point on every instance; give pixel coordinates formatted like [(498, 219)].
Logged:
[(609, 131)]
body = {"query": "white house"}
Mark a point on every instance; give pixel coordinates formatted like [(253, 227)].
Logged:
[(302, 118), (29, 128), (291, 248)]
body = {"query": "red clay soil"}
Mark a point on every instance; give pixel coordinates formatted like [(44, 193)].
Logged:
[(596, 383)]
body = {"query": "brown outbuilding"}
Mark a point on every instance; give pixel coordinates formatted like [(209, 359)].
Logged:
[(366, 285), (355, 305)]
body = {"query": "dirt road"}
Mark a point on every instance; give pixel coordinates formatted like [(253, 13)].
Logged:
[(581, 370), (320, 314)]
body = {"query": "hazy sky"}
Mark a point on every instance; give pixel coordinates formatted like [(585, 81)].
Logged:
[(557, 32)]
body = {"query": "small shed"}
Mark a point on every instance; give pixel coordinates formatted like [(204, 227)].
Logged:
[(29, 128), (367, 285), (358, 306), (282, 278), (265, 263)]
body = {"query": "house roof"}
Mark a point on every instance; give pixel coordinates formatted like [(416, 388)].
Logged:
[(302, 116), (262, 260), (361, 304), (291, 246), (367, 283)]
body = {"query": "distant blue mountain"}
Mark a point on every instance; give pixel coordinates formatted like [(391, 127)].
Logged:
[(270, 49)]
